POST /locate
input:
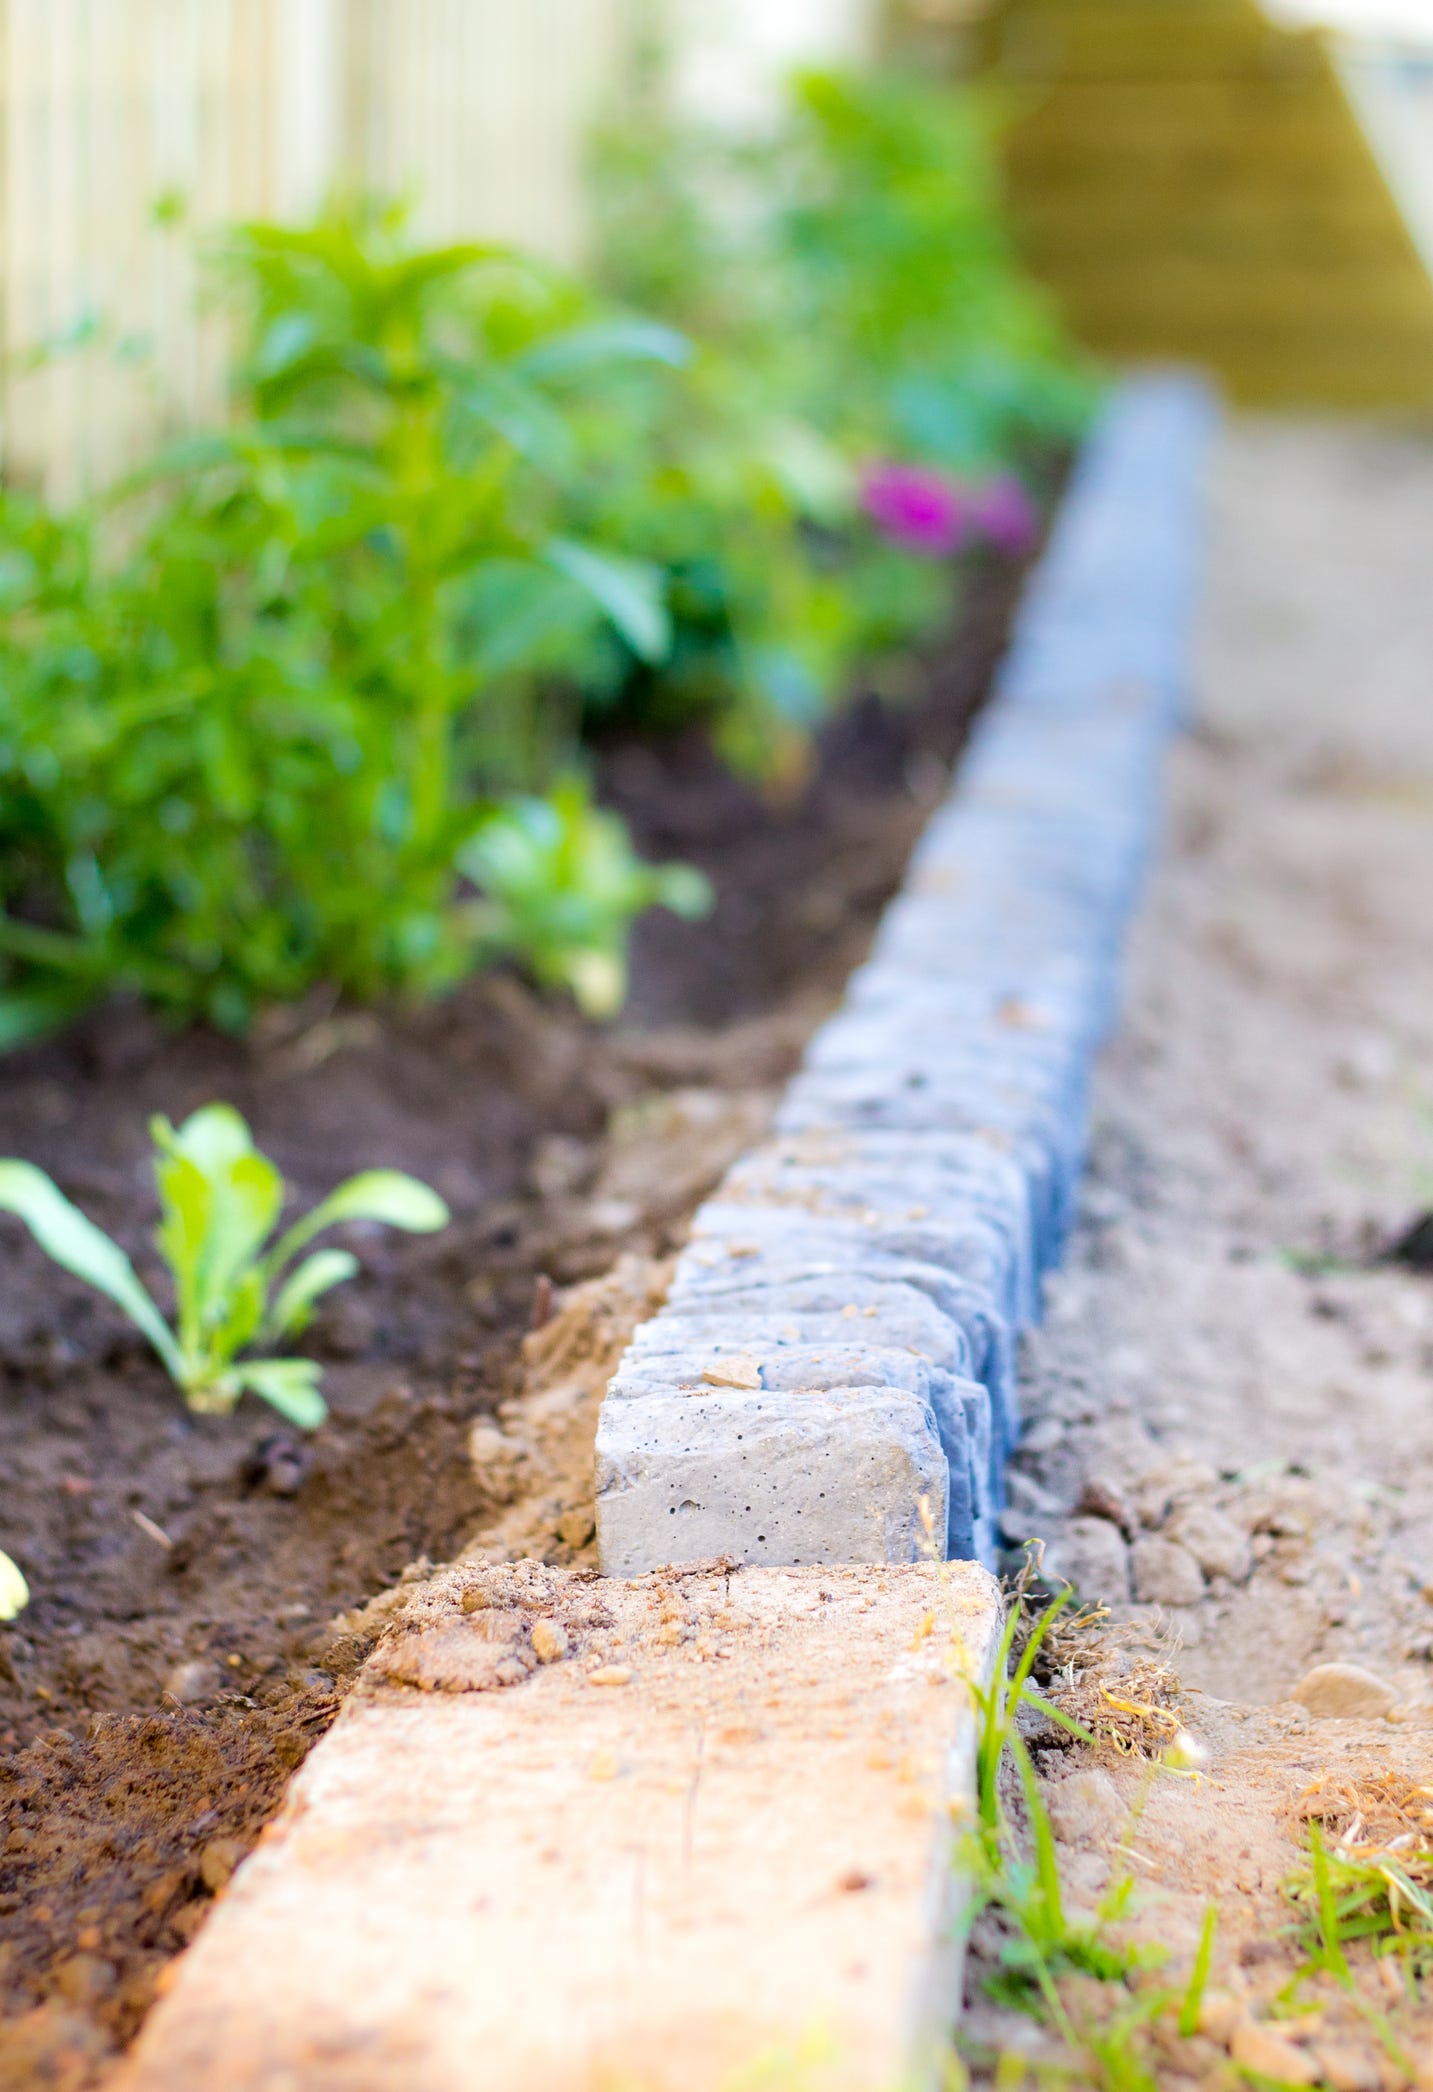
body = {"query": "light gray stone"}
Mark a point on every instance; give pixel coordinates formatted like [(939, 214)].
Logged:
[(1164, 1572), (1344, 1692), (1091, 1554), (781, 1479), (1085, 1808), (1215, 1542), (921, 1176)]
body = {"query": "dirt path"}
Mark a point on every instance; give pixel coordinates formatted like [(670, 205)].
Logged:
[(1224, 1379)]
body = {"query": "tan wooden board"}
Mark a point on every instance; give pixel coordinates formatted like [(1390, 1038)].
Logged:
[(721, 1829)]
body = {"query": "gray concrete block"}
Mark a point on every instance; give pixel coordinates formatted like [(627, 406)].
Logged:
[(838, 1476)]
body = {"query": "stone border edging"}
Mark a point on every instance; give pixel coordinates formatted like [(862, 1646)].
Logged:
[(835, 1363), (737, 1847)]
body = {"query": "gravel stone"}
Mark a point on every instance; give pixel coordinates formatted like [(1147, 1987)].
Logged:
[(1344, 1692), (1092, 1555), (1085, 1808), (1165, 1573), (1215, 1542)]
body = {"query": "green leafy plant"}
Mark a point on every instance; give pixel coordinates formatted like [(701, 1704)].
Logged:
[(561, 886), (14, 1591), (853, 295), (258, 707), (250, 755), (235, 1285)]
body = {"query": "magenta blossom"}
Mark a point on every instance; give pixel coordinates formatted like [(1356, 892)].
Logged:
[(1005, 515), (914, 507)]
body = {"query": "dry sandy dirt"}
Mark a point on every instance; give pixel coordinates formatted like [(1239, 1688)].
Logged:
[(1232, 1392)]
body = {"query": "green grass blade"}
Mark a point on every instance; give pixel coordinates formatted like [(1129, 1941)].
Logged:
[(1199, 1976)]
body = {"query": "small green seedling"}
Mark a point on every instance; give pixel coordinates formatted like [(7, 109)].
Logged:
[(14, 1591), (561, 886), (220, 1201)]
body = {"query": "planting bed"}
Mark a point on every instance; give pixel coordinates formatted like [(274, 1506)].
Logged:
[(180, 1656), (639, 1866)]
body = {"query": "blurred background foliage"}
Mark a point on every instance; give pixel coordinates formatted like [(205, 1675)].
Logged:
[(302, 699)]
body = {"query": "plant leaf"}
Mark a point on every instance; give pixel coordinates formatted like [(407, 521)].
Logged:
[(220, 1199), (212, 1137), (74, 1242), (606, 341), (388, 1195), (289, 1385), (243, 1313), (292, 1310), (186, 1199), (629, 591), (14, 1591)]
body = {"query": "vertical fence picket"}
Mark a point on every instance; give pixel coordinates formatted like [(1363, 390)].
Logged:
[(477, 108)]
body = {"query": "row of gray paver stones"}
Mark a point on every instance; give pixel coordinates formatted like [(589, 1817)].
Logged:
[(833, 1376)]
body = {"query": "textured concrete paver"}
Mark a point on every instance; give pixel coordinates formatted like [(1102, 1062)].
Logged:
[(718, 1830), (942, 1111)]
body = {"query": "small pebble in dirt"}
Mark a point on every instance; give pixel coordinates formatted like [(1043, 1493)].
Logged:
[(1085, 1808), (1220, 2012), (475, 1599), (1173, 1481), (549, 1640), (1043, 1437), (576, 1528), (610, 1674), (544, 1294), (1165, 1573), (1344, 1692), (1263, 2053), (1348, 2069), (1091, 1554), (496, 1459), (192, 1683), (83, 1979), (1101, 1500), (217, 1862), (279, 1463), (1215, 1542)]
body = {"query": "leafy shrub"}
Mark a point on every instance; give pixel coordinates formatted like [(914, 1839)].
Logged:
[(858, 314), (220, 1202), (561, 886), (255, 755), (302, 727)]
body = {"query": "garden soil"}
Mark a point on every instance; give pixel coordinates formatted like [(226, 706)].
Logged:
[(205, 1589), (1233, 1390)]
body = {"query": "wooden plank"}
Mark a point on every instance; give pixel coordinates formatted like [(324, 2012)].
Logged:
[(1191, 182)]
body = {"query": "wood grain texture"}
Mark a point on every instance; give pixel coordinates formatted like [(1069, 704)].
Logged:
[(1193, 183)]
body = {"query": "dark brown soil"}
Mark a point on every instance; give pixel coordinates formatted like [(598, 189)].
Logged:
[(174, 1665)]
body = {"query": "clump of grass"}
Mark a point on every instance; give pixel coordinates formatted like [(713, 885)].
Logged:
[(1043, 1951), (1129, 1705), (1095, 1991), (1368, 1878)]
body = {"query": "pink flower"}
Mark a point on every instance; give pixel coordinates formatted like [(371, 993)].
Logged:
[(1004, 514), (916, 508)]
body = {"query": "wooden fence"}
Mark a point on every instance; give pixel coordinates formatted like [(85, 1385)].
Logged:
[(128, 127), (1193, 182)]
